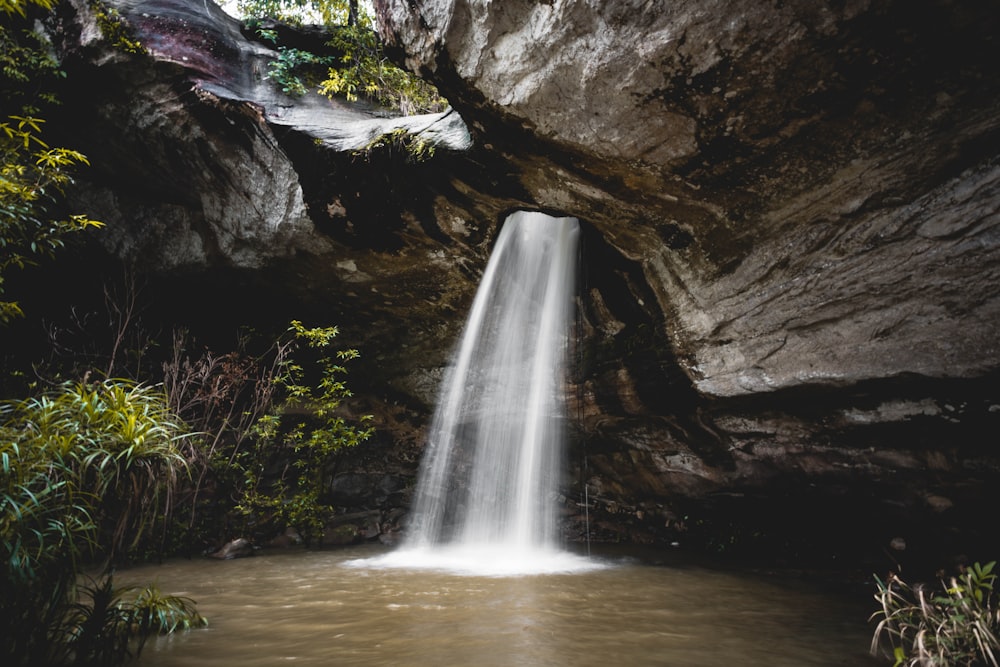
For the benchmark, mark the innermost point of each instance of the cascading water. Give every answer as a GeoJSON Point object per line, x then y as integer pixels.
{"type": "Point", "coordinates": [495, 444]}
{"type": "Point", "coordinates": [485, 501]}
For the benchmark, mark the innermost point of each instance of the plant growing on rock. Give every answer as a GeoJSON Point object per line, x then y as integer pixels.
{"type": "Point", "coordinates": [414, 147]}
{"type": "Point", "coordinates": [958, 624]}
{"type": "Point", "coordinates": [295, 70]}
{"type": "Point", "coordinates": [356, 67]}
{"type": "Point", "coordinates": [364, 70]}
{"type": "Point", "coordinates": [115, 28]}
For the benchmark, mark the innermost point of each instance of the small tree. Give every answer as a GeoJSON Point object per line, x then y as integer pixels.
{"type": "Point", "coordinates": [32, 173]}
{"type": "Point", "coordinates": [298, 437]}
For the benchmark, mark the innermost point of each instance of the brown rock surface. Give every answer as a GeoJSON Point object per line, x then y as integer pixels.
{"type": "Point", "coordinates": [792, 239]}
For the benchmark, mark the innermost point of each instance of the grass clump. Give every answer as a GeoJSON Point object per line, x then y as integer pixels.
{"type": "Point", "coordinates": [86, 471]}
{"type": "Point", "coordinates": [956, 624]}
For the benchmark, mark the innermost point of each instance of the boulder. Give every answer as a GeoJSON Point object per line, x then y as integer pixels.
{"type": "Point", "coordinates": [238, 548]}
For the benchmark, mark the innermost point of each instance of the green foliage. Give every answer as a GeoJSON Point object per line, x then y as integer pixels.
{"type": "Point", "coordinates": [27, 69]}
{"type": "Point", "coordinates": [360, 70]}
{"type": "Point", "coordinates": [152, 612]}
{"type": "Point", "coordinates": [85, 470]}
{"type": "Point", "coordinates": [32, 173]}
{"type": "Point", "coordinates": [272, 416]}
{"type": "Point", "coordinates": [115, 28]}
{"type": "Point", "coordinates": [365, 71]}
{"type": "Point", "coordinates": [20, 7]}
{"type": "Point", "coordinates": [410, 144]}
{"type": "Point", "coordinates": [108, 625]}
{"type": "Point", "coordinates": [113, 445]}
{"type": "Point", "coordinates": [303, 430]}
{"type": "Point", "coordinates": [296, 70]}
{"type": "Point", "coordinates": [958, 624]}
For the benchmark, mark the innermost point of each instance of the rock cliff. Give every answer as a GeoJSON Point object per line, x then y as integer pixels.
{"type": "Point", "coordinates": [792, 241]}
{"type": "Point", "coordinates": [802, 201]}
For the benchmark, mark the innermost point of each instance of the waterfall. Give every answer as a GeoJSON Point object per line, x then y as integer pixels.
{"type": "Point", "coordinates": [486, 495]}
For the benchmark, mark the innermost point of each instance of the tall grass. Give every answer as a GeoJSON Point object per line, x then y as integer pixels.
{"type": "Point", "coordinates": [86, 472]}
{"type": "Point", "coordinates": [956, 625]}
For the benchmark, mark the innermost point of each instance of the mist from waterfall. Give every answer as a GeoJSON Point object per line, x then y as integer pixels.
{"type": "Point", "coordinates": [486, 500]}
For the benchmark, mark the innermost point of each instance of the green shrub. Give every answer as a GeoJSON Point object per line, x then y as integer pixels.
{"type": "Point", "coordinates": [273, 416]}
{"type": "Point", "coordinates": [32, 173]}
{"type": "Point", "coordinates": [86, 471]}
{"type": "Point", "coordinates": [109, 625]}
{"type": "Point", "coordinates": [958, 624]}
{"type": "Point", "coordinates": [365, 71]}
{"type": "Point", "coordinates": [359, 70]}
{"type": "Point", "coordinates": [303, 429]}
{"type": "Point", "coordinates": [296, 70]}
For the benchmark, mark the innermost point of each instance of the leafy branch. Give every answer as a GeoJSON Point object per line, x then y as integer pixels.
{"type": "Point", "coordinates": [305, 428]}
{"type": "Point", "coordinates": [356, 66]}
{"type": "Point", "coordinates": [32, 173]}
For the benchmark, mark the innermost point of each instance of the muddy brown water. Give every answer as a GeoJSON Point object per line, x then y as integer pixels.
{"type": "Point", "coordinates": [308, 608]}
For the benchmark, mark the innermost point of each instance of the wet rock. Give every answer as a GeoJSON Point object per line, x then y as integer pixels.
{"type": "Point", "coordinates": [351, 528]}
{"type": "Point", "coordinates": [390, 538]}
{"type": "Point", "coordinates": [341, 535]}
{"type": "Point", "coordinates": [289, 538]}
{"type": "Point", "coordinates": [238, 548]}
{"type": "Point", "coordinates": [775, 140]}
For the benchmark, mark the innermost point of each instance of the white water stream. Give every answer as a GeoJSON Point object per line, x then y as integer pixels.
{"type": "Point", "coordinates": [485, 501]}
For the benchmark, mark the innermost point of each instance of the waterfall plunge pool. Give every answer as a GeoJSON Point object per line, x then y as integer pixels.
{"type": "Point", "coordinates": [326, 608]}
{"type": "Point", "coordinates": [481, 582]}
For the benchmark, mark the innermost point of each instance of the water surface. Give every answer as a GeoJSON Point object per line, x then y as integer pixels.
{"type": "Point", "coordinates": [308, 608]}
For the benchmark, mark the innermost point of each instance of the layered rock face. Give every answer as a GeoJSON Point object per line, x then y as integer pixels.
{"type": "Point", "coordinates": [827, 168]}
{"type": "Point", "coordinates": [806, 198]}
{"type": "Point", "coordinates": [792, 245]}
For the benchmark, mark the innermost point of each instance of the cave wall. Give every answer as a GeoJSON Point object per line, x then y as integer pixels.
{"type": "Point", "coordinates": [806, 194]}
{"type": "Point", "coordinates": [823, 162]}
{"type": "Point", "coordinates": [788, 305]}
